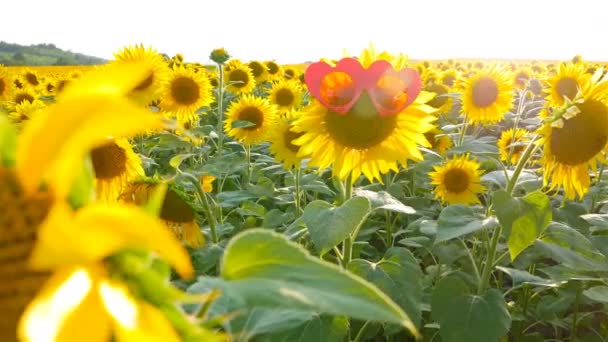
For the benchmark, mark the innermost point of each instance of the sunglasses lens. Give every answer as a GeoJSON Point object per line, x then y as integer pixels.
{"type": "Point", "coordinates": [391, 93]}
{"type": "Point", "coordinates": [337, 89]}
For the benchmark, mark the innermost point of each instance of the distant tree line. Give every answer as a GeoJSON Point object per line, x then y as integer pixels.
{"type": "Point", "coordinates": [42, 54]}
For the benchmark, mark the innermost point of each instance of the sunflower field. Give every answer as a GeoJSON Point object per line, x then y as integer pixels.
{"type": "Point", "coordinates": [371, 198]}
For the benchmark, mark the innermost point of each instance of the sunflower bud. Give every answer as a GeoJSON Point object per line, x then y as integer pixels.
{"type": "Point", "coordinates": [219, 56]}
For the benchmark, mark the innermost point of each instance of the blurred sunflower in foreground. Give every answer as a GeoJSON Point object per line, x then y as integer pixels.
{"type": "Point", "coordinates": [362, 140]}
{"type": "Point", "coordinates": [575, 139]}
{"type": "Point", "coordinates": [63, 257]}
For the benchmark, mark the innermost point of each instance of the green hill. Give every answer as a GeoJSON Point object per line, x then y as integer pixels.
{"type": "Point", "coordinates": [42, 54]}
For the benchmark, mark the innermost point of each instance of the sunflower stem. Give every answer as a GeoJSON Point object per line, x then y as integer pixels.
{"type": "Point", "coordinates": [573, 333]}
{"type": "Point", "coordinates": [298, 198]}
{"type": "Point", "coordinates": [598, 180]}
{"type": "Point", "coordinates": [347, 246]}
{"type": "Point", "coordinates": [202, 195]}
{"type": "Point", "coordinates": [360, 335]}
{"type": "Point", "coordinates": [463, 130]}
{"type": "Point", "coordinates": [220, 110]}
{"type": "Point", "coordinates": [520, 165]}
{"type": "Point", "coordinates": [248, 157]}
{"type": "Point", "coordinates": [489, 265]}
{"type": "Point", "coordinates": [487, 268]}
{"type": "Point", "coordinates": [518, 114]}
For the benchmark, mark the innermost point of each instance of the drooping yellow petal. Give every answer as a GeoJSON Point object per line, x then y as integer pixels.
{"type": "Point", "coordinates": [110, 79]}
{"type": "Point", "coordinates": [66, 310]}
{"type": "Point", "coordinates": [54, 142]}
{"type": "Point", "coordinates": [98, 230]}
{"type": "Point", "coordinates": [135, 320]}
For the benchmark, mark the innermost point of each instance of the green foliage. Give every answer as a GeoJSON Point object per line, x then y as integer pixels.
{"type": "Point", "coordinates": [464, 316]}
{"type": "Point", "coordinates": [523, 219]}
{"type": "Point", "coordinates": [329, 225]}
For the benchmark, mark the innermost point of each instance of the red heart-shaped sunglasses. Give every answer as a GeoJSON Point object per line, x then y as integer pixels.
{"type": "Point", "coordinates": [338, 88]}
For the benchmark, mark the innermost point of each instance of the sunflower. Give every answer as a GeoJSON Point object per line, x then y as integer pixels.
{"type": "Point", "coordinates": [512, 144]}
{"type": "Point", "coordinates": [37, 234]}
{"type": "Point", "coordinates": [239, 78]}
{"type": "Point", "coordinates": [441, 101]}
{"type": "Point", "coordinates": [48, 87]}
{"type": "Point", "coordinates": [487, 95]}
{"type": "Point", "coordinates": [213, 79]}
{"type": "Point", "coordinates": [30, 78]}
{"type": "Point", "coordinates": [361, 141]}
{"type": "Point", "coordinates": [176, 212]}
{"type": "Point", "coordinates": [260, 114]}
{"type": "Point", "coordinates": [273, 69]}
{"type": "Point", "coordinates": [449, 78]}
{"type": "Point", "coordinates": [439, 141]}
{"type": "Point", "coordinates": [116, 166]}
{"type": "Point", "coordinates": [258, 70]}
{"type": "Point", "coordinates": [281, 142]}
{"type": "Point", "coordinates": [565, 83]}
{"type": "Point", "coordinates": [457, 181]}
{"type": "Point", "coordinates": [60, 85]}
{"type": "Point", "coordinates": [75, 74]}
{"type": "Point", "coordinates": [186, 92]}
{"type": "Point", "coordinates": [286, 95]}
{"type": "Point", "coordinates": [521, 76]}
{"type": "Point", "coordinates": [25, 94]}
{"type": "Point", "coordinates": [25, 110]}
{"type": "Point", "coordinates": [149, 89]}
{"type": "Point", "coordinates": [290, 73]}
{"type": "Point", "coordinates": [6, 83]}
{"type": "Point", "coordinates": [575, 139]}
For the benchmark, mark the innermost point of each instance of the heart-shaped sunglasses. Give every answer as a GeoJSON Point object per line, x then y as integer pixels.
{"type": "Point", "coordinates": [338, 88]}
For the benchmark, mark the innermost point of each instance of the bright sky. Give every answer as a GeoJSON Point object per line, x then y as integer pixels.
{"type": "Point", "coordinates": [300, 30]}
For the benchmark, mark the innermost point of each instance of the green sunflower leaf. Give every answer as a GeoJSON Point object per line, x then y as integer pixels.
{"type": "Point", "coordinates": [264, 269]}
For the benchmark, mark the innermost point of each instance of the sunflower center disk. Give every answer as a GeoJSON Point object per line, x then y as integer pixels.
{"type": "Point", "coordinates": [438, 101]}
{"type": "Point", "coordinates": [361, 127]}
{"type": "Point", "coordinates": [109, 161]}
{"type": "Point", "coordinates": [31, 79]}
{"type": "Point", "coordinates": [2, 86]}
{"type": "Point", "coordinates": [185, 91]}
{"type": "Point", "coordinates": [272, 68]}
{"type": "Point", "coordinates": [239, 78]}
{"type": "Point", "coordinates": [456, 180]}
{"type": "Point", "coordinates": [256, 69]}
{"type": "Point", "coordinates": [285, 97]}
{"type": "Point", "coordinates": [19, 220]}
{"type": "Point", "coordinates": [175, 209]}
{"type": "Point", "coordinates": [290, 136]}
{"type": "Point", "coordinates": [23, 97]}
{"type": "Point", "coordinates": [253, 115]}
{"type": "Point", "coordinates": [485, 92]}
{"type": "Point", "coordinates": [449, 80]}
{"type": "Point", "coordinates": [567, 87]}
{"type": "Point", "coordinates": [583, 136]}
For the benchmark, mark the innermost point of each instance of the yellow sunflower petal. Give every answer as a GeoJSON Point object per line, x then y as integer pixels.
{"type": "Point", "coordinates": [98, 231]}
{"type": "Point", "coordinates": [134, 320]}
{"type": "Point", "coordinates": [66, 309]}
